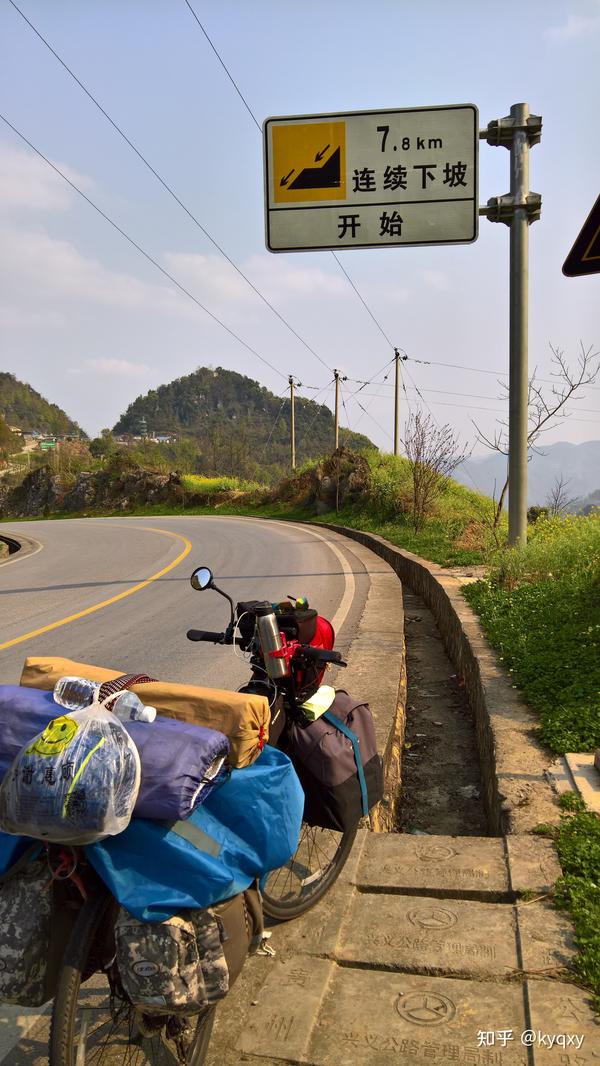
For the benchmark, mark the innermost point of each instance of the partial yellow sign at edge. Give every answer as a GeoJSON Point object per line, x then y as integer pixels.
{"type": "Point", "coordinates": [308, 162]}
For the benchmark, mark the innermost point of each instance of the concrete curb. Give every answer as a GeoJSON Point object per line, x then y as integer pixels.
{"type": "Point", "coordinates": [18, 547]}
{"type": "Point", "coordinates": [517, 792]}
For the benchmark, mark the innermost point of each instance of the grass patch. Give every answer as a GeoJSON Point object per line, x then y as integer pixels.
{"type": "Point", "coordinates": [211, 486]}
{"type": "Point", "coordinates": [540, 608]}
{"type": "Point", "coordinates": [577, 842]}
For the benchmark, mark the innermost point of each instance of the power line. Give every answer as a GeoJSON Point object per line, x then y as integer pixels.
{"type": "Point", "coordinates": [344, 406]}
{"type": "Point", "coordinates": [480, 370]}
{"type": "Point", "coordinates": [363, 302]}
{"type": "Point", "coordinates": [365, 409]}
{"type": "Point", "coordinates": [236, 87]}
{"type": "Point", "coordinates": [141, 250]}
{"type": "Point", "coordinates": [316, 415]}
{"type": "Point", "coordinates": [256, 123]}
{"type": "Point", "coordinates": [166, 185]}
{"type": "Point", "coordinates": [472, 396]}
{"type": "Point", "coordinates": [277, 417]}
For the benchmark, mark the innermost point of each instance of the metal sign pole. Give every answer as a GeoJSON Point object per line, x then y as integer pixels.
{"type": "Point", "coordinates": [397, 402]}
{"type": "Point", "coordinates": [518, 132]}
{"type": "Point", "coordinates": [518, 388]}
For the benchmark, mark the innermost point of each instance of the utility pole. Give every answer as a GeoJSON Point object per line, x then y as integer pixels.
{"type": "Point", "coordinates": [292, 423]}
{"type": "Point", "coordinates": [336, 375]}
{"type": "Point", "coordinates": [518, 132]}
{"type": "Point", "coordinates": [398, 357]}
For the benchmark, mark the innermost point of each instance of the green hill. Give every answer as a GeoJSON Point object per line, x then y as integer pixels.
{"type": "Point", "coordinates": [22, 406]}
{"type": "Point", "coordinates": [238, 426]}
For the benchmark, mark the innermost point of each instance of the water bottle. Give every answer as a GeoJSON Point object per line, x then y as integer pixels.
{"type": "Point", "coordinates": [128, 707]}
{"type": "Point", "coordinates": [270, 640]}
{"type": "Point", "coordinates": [75, 693]}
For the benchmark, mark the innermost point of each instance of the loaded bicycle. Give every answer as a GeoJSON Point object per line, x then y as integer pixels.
{"type": "Point", "coordinates": [95, 1021]}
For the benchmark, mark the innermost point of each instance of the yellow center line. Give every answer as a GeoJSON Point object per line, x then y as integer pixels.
{"type": "Point", "coordinates": [113, 599]}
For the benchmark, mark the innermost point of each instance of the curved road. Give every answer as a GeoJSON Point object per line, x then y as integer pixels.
{"type": "Point", "coordinates": [116, 591]}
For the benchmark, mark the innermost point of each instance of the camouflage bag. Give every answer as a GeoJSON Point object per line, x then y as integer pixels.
{"type": "Point", "coordinates": [173, 967]}
{"type": "Point", "coordinates": [26, 923]}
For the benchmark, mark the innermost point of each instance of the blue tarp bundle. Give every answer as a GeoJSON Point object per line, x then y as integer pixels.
{"type": "Point", "coordinates": [175, 756]}
{"type": "Point", "coordinates": [248, 825]}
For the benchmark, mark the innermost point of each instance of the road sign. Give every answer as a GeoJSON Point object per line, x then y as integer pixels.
{"type": "Point", "coordinates": [584, 257]}
{"type": "Point", "coordinates": [372, 178]}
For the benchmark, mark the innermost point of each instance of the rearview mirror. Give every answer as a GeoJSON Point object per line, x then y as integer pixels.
{"type": "Point", "coordinates": [201, 578]}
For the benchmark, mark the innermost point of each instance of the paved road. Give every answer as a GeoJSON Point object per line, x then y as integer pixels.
{"type": "Point", "coordinates": [82, 563]}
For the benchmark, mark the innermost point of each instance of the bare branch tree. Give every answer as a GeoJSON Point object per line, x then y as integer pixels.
{"type": "Point", "coordinates": [558, 501]}
{"type": "Point", "coordinates": [433, 453]}
{"type": "Point", "coordinates": [546, 405]}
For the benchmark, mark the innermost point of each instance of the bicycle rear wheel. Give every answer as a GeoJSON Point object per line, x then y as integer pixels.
{"type": "Point", "coordinates": [93, 1026]}
{"type": "Point", "coordinates": [303, 881]}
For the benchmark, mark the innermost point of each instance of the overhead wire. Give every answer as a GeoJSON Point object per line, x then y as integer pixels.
{"type": "Point", "coordinates": [344, 405]}
{"type": "Point", "coordinates": [326, 388]}
{"type": "Point", "coordinates": [339, 263]}
{"type": "Point", "coordinates": [255, 120]}
{"type": "Point", "coordinates": [344, 271]}
{"type": "Point", "coordinates": [277, 417]}
{"type": "Point", "coordinates": [163, 181]}
{"type": "Point", "coordinates": [236, 87]}
{"type": "Point", "coordinates": [141, 250]}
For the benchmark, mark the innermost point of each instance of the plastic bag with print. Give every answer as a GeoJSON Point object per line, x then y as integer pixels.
{"type": "Point", "coordinates": [74, 783]}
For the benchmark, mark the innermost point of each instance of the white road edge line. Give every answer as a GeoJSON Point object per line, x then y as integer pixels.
{"type": "Point", "coordinates": [343, 610]}
{"type": "Point", "coordinates": [19, 557]}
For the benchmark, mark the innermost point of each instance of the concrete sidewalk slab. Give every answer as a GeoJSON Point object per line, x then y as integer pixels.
{"type": "Point", "coordinates": [376, 1019]}
{"type": "Point", "coordinates": [557, 1009]}
{"type": "Point", "coordinates": [286, 1009]}
{"type": "Point", "coordinates": [430, 936]}
{"type": "Point", "coordinates": [547, 939]}
{"type": "Point", "coordinates": [453, 867]}
{"type": "Point", "coordinates": [533, 864]}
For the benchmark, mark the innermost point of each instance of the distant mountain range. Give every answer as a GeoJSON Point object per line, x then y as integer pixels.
{"type": "Point", "coordinates": [23, 407]}
{"type": "Point", "coordinates": [577, 464]}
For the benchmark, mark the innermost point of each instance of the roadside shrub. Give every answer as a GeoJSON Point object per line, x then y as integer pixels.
{"type": "Point", "coordinates": [558, 548]}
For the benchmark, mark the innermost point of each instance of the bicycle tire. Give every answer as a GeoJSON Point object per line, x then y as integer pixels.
{"type": "Point", "coordinates": [138, 1050]}
{"type": "Point", "coordinates": [295, 887]}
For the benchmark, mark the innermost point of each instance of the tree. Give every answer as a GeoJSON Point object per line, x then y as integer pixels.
{"type": "Point", "coordinates": [104, 445]}
{"type": "Point", "coordinates": [558, 502]}
{"type": "Point", "coordinates": [433, 453]}
{"type": "Point", "coordinates": [545, 406]}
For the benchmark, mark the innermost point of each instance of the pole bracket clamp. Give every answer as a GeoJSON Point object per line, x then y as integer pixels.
{"type": "Point", "coordinates": [503, 208]}
{"type": "Point", "coordinates": [500, 131]}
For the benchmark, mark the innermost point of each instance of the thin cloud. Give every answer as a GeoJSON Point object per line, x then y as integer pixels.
{"type": "Point", "coordinates": [576, 26]}
{"type": "Point", "coordinates": [27, 183]}
{"type": "Point", "coordinates": [123, 368]}
{"type": "Point", "coordinates": [52, 268]}
{"type": "Point", "coordinates": [24, 318]}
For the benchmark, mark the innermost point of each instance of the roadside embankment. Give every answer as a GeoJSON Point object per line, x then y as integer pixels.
{"type": "Point", "coordinates": [516, 791]}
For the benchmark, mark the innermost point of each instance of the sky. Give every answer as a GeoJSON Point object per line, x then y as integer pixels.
{"type": "Point", "coordinates": [91, 323]}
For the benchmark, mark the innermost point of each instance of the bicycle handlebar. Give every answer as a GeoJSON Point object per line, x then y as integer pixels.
{"type": "Point", "coordinates": [322, 655]}
{"type": "Point", "coordinates": [210, 637]}
{"type": "Point", "coordinates": [206, 634]}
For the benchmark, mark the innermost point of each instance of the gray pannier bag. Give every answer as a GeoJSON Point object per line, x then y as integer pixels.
{"type": "Point", "coordinates": [25, 924]}
{"type": "Point", "coordinates": [189, 961]}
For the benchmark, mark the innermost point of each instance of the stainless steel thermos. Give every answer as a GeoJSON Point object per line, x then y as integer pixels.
{"type": "Point", "coordinates": [270, 640]}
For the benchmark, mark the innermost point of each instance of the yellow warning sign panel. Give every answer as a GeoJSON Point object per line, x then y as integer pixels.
{"type": "Point", "coordinates": [309, 162]}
